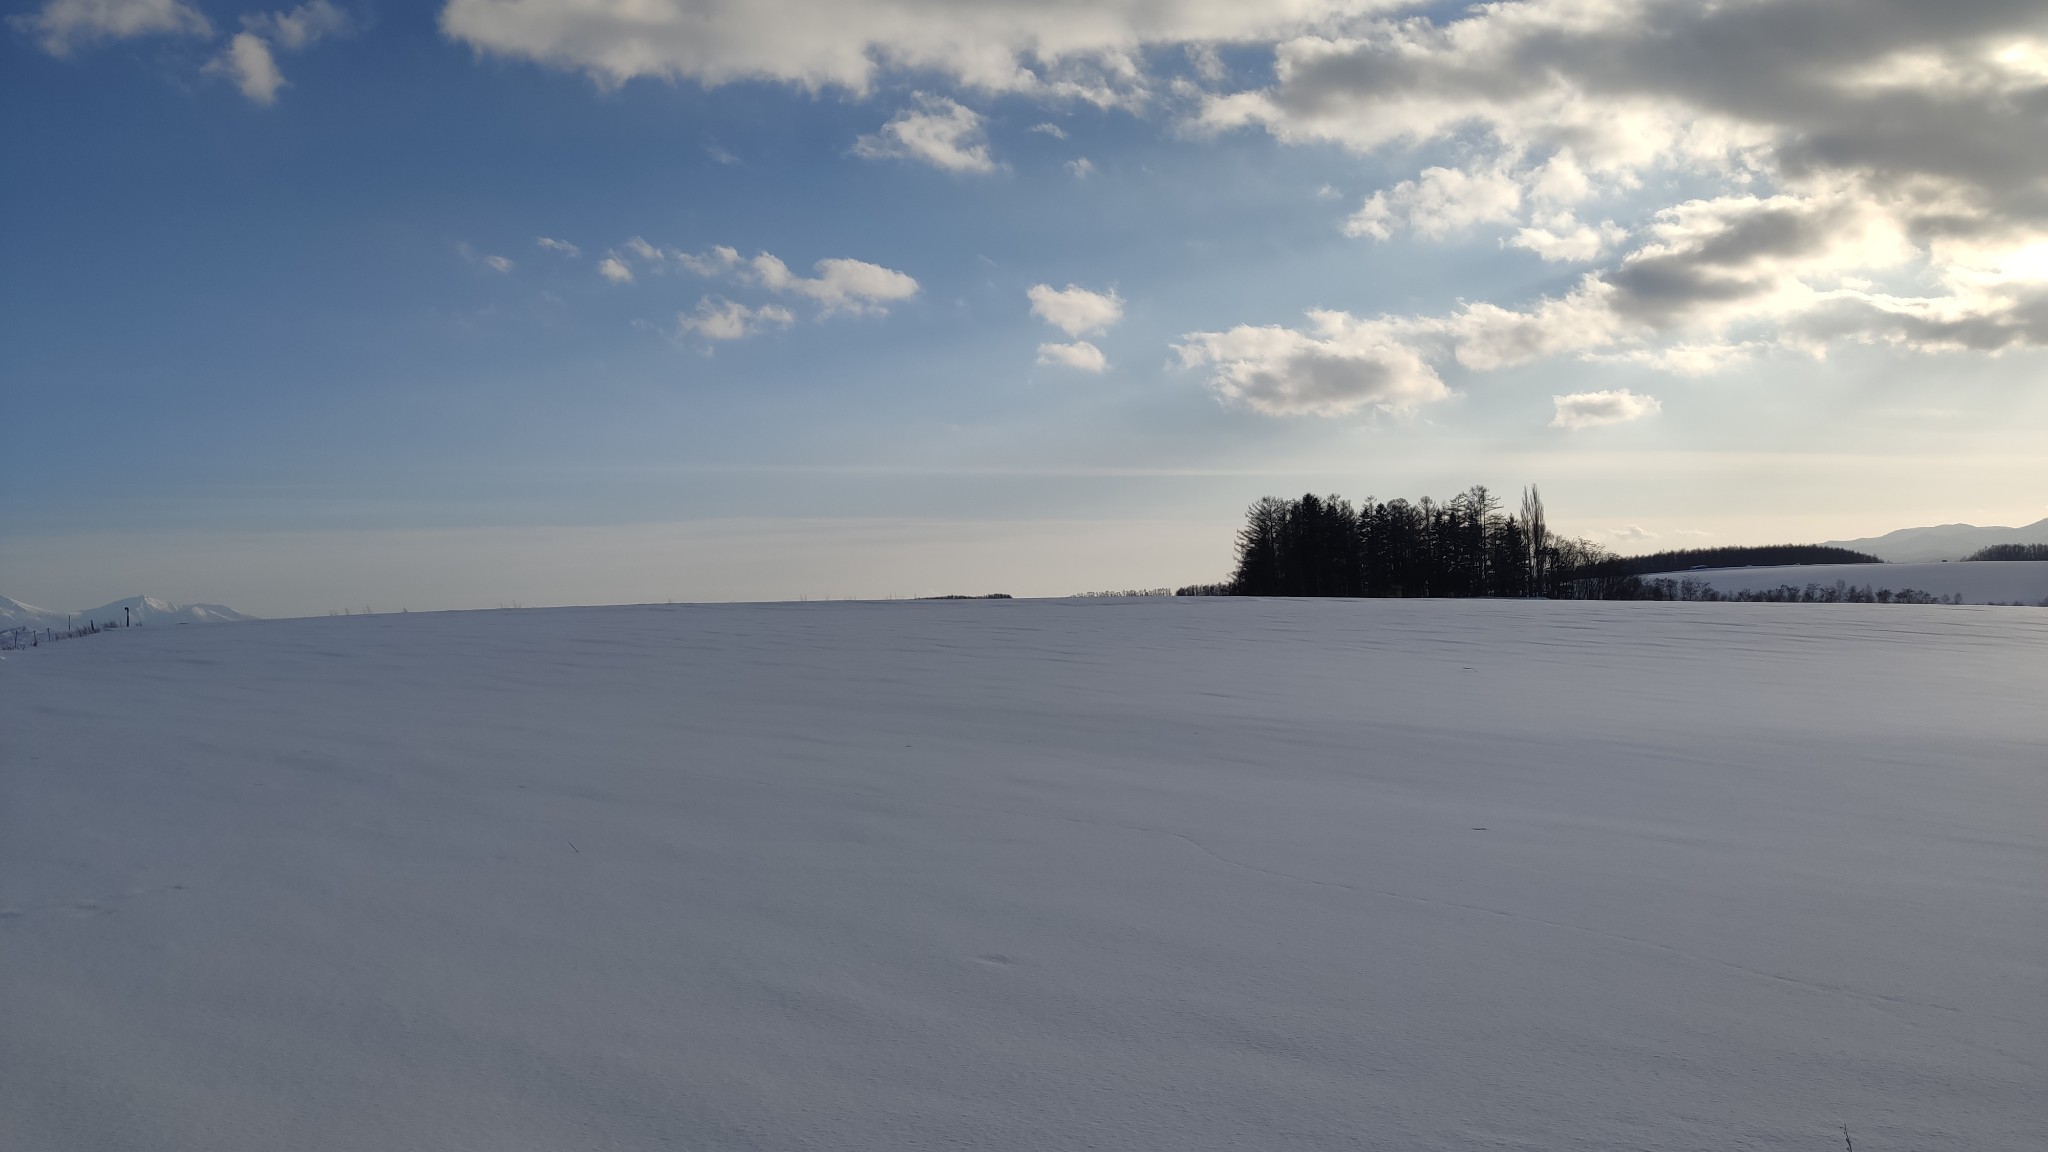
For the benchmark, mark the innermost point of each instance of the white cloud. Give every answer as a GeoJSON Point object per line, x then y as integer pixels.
{"type": "Point", "coordinates": [940, 132]}
{"type": "Point", "coordinates": [1592, 409]}
{"type": "Point", "coordinates": [1074, 309]}
{"type": "Point", "coordinates": [1081, 168]}
{"type": "Point", "coordinates": [498, 264]}
{"type": "Point", "coordinates": [721, 319]}
{"type": "Point", "coordinates": [1631, 534]}
{"type": "Point", "coordinates": [562, 247]}
{"type": "Point", "coordinates": [302, 27]}
{"type": "Point", "coordinates": [1065, 50]}
{"type": "Point", "coordinates": [1340, 366]}
{"type": "Point", "coordinates": [1051, 129]}
{"type": "Point", "coordinates": [63, 26]}
{"type": "Point", "coordinates": [1207, 63]}
{"type": "Point", "coordinates": [248, 62]}
{"type": "Point", "coordinates": [840, 285]}
{"type": "Point", "coordinates": [1439, 202]}
{"type": "Point", "coordinates": [1079, 355]}
{"type": "Point", "coordinates": [720, 259]}
{"type": "Point", "coordinates": [1560, 236]}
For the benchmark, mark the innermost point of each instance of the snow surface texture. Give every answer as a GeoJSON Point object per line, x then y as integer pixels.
{"type": "Point", "coordinates": [1162, 874]}
{"type": "Point", "coordinates": [1942, 541]}
{"type": "Point", "coordinates": [1980, 582]}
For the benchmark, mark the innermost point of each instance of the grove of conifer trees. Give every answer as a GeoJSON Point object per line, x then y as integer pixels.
{"type": "Point", "coordinates": [1464, 546]}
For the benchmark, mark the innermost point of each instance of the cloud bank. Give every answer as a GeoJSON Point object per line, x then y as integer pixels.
{"type": "Point", "coordinates": [1872, 171]}
{"type": "Point", "coordinates": [1089, 50]}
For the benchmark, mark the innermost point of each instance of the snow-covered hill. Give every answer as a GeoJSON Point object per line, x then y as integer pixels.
{"type": "Point", "coordinates": [1942, 541]}
{"type": "Point", "coordinates": [150, 610]}
{"type": "Point", "coordinates": [15, 614]}
{"type": "Point", "coordinates": [140, 610]}
{"type": "Point", "coordinates": [1979, 582]}
{"type": "Point", "coordinates": [1155, 875]}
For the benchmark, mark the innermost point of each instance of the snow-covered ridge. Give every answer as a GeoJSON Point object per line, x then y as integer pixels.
{"type": "Point", "coordinates": [15, 614]}
{"type": "Point", "coordinates": [133, 610]}
{"type": "Point", "coordinates": [1979, 582]}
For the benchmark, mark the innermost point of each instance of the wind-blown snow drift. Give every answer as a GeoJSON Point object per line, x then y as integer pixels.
{"type": "Point", "coordinates": [1142, 874]}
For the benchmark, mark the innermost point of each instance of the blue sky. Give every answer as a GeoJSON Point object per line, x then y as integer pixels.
{"type": "Point", "coordinates": [281, 330]}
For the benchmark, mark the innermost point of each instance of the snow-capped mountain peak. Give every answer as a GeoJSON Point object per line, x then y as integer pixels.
{"type": "Point", "coordinates": [151, 610]}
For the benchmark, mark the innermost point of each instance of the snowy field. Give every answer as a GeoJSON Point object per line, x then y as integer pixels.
{"type": "Point", "coordinates": [1979, 582]}
{"type": "Point", "coordinates": [1152, 875]}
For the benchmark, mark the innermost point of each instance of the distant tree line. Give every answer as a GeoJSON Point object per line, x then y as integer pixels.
{"type": "Point", "coordinates": [1466, 546]}
{"type": "Point", "coordinates": [1773, 555]}
{"type": "Point", "coordinates": [1840, 592]}
{"type": "Point", "coordinates": [2011, 552]}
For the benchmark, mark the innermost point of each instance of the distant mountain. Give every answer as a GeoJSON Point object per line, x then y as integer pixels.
{"type": "Point", "coordinates": [150, 610]}
{"type": "Point", "coordinates": [15, 614]}
{"type": "Point", "coordinates": [1942, 541]}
